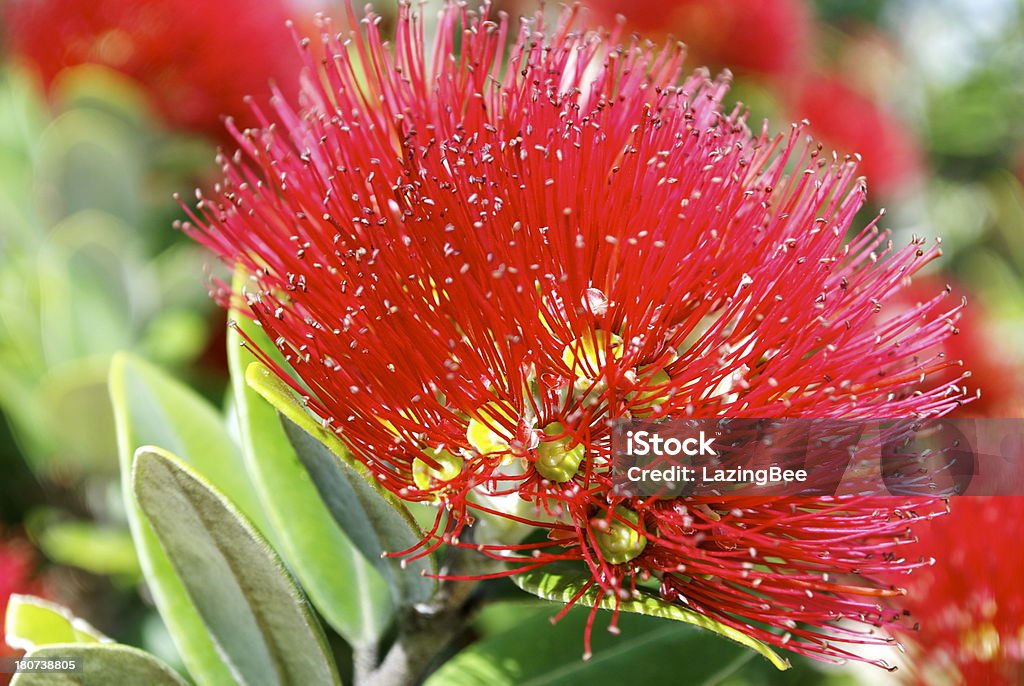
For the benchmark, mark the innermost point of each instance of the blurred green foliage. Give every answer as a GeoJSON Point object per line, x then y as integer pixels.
{"type": "Point", "coordinates": [89, 267]}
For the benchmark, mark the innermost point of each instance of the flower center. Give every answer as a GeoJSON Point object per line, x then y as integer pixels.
{"type": "Point", "coordinates": [587, 356]}
{"type": "Point", "coordinates": [427, 477]}
{"type": "Point", "coordinates": [481, 432]}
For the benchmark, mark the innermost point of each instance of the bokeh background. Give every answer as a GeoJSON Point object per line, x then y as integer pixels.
{"type": "Point", "coordinates": [110, 107]}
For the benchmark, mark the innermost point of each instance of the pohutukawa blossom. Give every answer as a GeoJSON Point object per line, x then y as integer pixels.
{"type": "Point", "coordinates": [969, 604]}
{"type": "Point", "coordinates": [197, 61]}
{"type": "Point", "coordinates": [476, 262]}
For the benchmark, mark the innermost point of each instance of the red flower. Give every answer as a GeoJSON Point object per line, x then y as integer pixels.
{"type": "Point", "coordinates": [769, 37]}
{"type": "Point", "coordinates": [17, 563]}
{"type": "Point", "coordinates": [475, 266]}
{"type": "Point", "coordinates": [852, 122]}
{"type": "Point", "coordinates": [969, 605]}
{"type": "Point", "coordinates": [996, 379]}
{"type": "Point", "coordinates": [196, 60]}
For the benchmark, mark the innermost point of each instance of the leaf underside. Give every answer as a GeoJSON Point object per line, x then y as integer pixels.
{"type": "Point", "coordinates": [249, 604]}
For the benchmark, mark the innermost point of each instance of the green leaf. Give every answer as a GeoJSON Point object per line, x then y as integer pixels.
{"type": "Point", "coordinates": [94, 86]}
{"type": "Point", "coordinates": [98, 549]}
{"type": "Point", "coordinates": [78, 418]}
{"type": "Point", "coordinates": [93, 161]}
{"type": "Point", "coordinates": [564, 587]}
{"type": "Point", "coordinates": [249, 603]}
{"type": "Point", "coordinates": [33, 622]}
{"type": "Point", "coordinates": [92, 286]}
{"type": "Point", "coordinates": [533, 652]}
{"type": "Point", "coordinates": [153, 408]}
{"type": "Point", "coordinates": [176, 336]}
{"type": "Point", "coordinates": [101, 665]}
{"type": "Point", "coordinates": [372, 517]}
{"type": "Point", "coordinates": [347, 590]}
{"type": "Point", "coordinates": [150, 408]}
{"type": "Point", "coordinates": [498, 616]}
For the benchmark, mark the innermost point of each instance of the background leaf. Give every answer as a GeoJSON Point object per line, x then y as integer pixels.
{"type": "Point", "coordinates": [249, 603]}
{"type": "Point", "coordinates": [102, 665]}
{"type": "Point", "coordinates": [93, 161]}
{"type": "Point", "coordinates": [533, 652]}
{"type": "Point", "coordinates": [103, 550]}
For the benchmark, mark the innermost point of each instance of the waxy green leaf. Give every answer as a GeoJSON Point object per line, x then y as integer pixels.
{"type": "Point", "coordinates": [564, 587]}
{"type": "Point", "coordinates": [151, 408]}
{"type": "Point", "coordinates": [372, 517]}
{"type": "Point", "coordinates": [33, 622]}
{"type": "Point", "coordinates": [347, 589]}
{"type": "Point", "coordinates": [102, 664]}
{"type": "Point", "coordinates": [248, 602]}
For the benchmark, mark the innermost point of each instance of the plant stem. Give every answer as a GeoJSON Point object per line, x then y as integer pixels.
{"type": "Point", "coordinates": [364, 662]}
{"type": "Point", "coordinates": [425, 630]}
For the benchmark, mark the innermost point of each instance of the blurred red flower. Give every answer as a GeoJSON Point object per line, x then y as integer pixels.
{"type": "Point", "coordinates": [196, 60]}
{"type": "Point", "coordinates": [852, 122]}
{"type": "Point", "coordinates": [969, 605]}
{"type": "Point", "coordinates": [479, 264]}
{"type": "Point", "coordinates": [994, 377]}
{"type": "Point", "coordinates": [770, 37]}
{"type": "Point", "coordinates": [17, 565]}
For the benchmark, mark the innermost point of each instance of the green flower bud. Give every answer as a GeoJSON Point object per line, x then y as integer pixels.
{"type": "Point", "coordinates": [655, 391]}
{"type": "Point", "coordinates": [618, 542]}
{"type": "Point", "coordinates": [558, 460]}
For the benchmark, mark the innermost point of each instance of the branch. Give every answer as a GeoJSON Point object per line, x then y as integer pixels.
{"type": "Point", "coordinates": [426, 630]}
